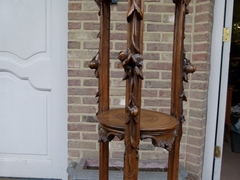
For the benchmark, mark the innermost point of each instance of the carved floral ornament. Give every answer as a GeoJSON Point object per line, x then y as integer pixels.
{"type": "Point", "coordinates": [131, 60]}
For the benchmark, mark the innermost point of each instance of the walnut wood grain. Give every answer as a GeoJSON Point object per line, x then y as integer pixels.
{"type": "Point", "coordinates": [133, 123]}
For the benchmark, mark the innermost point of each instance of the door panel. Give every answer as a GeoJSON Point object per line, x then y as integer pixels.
{"type": "Point", "coordinates": [33, 77]}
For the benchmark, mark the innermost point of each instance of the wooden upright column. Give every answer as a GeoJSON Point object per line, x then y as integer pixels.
{"type": "Point", "coordinates": [180, 70]}
{"type": "Point", "coordinates": [104, 63]}
{"type": "Point", "coordinates": [132, 60]}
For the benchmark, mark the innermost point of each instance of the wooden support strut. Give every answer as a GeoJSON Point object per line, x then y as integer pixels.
{"type": "Point", "coordinates": [179, 74]}
{"type": "Point", "coordinates": [104, 65]}
{"type": "Point", "coordinates": [131, 60]}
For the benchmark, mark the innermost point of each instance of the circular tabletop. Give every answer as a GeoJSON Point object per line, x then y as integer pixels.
{"type": "Point", "coordinates": [149, 120]}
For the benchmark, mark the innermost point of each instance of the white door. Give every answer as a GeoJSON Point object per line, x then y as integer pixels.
{"type": "Point", "coordinates": [217, 93]}
{"type": "Point", "coordinates": [33, 89]}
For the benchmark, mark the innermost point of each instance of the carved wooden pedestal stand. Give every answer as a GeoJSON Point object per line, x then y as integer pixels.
{"type": "Point", "coordinates": [132, 123]}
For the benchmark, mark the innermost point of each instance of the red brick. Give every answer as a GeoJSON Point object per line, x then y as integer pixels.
{"type": "Point", "coordinates": [151, 75]}
{"type": "Point", "coordinates": [195, 141]}
{"type": "Point", "coordinates": [73, 45]}
{"type": "Point", "coordinates": [152, 17]}
{"type": "Point", "coordinates": [74, 82]}
{"type": "Point", "coordinates": [159, 47]}
{"type": "Point", "coordinates": [151, 56]}
{"type": "Point", "coordinates": [74, 6]}
{"type": "Point", "coordinates": [90, 82]}
{"type": "Point", "coordinates": [198, 95]}
{"type": "Point", "coordinates": [201, 57]}
{"type": "Point", "coordinates": [91, 26]}
{"type": "Point", "coordinates": [89, 100]}
{"type": "Point", "coordinates": [199, 85]}
{"type": "Point", "coordinates": [159, 65]}
{"type": "Point", "coordinates": [166, 75]}
{"type": "Point", "coordinates": [74, 64]}
{"type": "Point", "coordinates": [203, 18]}
{"type": "Point", "coordinates": [164, 93]}
{"type": "Point", "coordinates": [118, 36]}
{"type": "Point", "coordinates": [82, 91]}
{"type": "Point", "coordinates": [81, 109]}
{"type": "Point", "coordinates": [201, 47]}
{"type": "Point", "coordinates": [73, 118]}
{"type": "Point", "coordinates": [90, 45]}
{"type": "Point", "coordinates": [73, 135]}
{"type": "Point", "coordinates": [157, 84]}
{"type": "Point", "coordinates": [121, 26]}
{"type": "Point", "coordinates": [74, 25]}
{"type": "Point", "coordinates": [204, 7]}
{"type": "Point", "coordinates": [160, 8]}
{"type": "Point", "coordinates": [203, 27]}
{"type": "Point", "coordinates": [74, 100]}
{"type": "Point", "coordinates": [81, 127]}
{"type": "Point", "coordinates": [82, 16]}
{"type": "Point", "coordinates": [162, 27]}
{"type": "Point", "coordinates": [73, 153]}
{"type": "Point", "coordinates": [81, 73]}
{"type": "Point", "coordinates": [197, 113]}
{"type": "Point", "coordinates": [156, 102]}
{"type": "Point", "coordinates": [90, 136]}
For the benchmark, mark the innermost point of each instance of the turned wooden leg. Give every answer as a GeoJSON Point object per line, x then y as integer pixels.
{"type": "Point", "coordinates": [103, 164]}
{"type": "Point", "coordinates": [173, 161]}
{"type": "Point", "coordinates": [173, 158]}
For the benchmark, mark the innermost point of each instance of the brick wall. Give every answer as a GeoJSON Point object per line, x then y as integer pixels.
{"type": "Point", "coordinates": [158, 37]}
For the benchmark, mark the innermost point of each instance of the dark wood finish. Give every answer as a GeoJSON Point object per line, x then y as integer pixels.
{"type": "Point", "coordinates": [228, 124]}
{"type": "Point", "coordinates": [133, 123]}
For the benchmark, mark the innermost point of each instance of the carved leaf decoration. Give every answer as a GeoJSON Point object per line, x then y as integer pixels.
{"type": "Point", "coordinates": [134, 143]}
{"type": "Point", "coordinates": [134, 112]}
{"type": "Point", "coordinates": [186, 11]}
{"type": "Point", "coordinates": [128, 120]}
{"type": "Point", "coordinates": [97, 95]}
{"type": "Point", "coordinates": [96, 73]}
{"type": "Point", "coordinates": [125, 76]}
{"type": "Point", "coordinates": [141, 74]}
{"type": "Point", "coordinates": [185, 77]}
{"type": "Point", "coordinates": [138, 59]}
{"type": "Point", "coordinates": [120, 65]}
{"type": "Point", "coordinates": [133, 8]}
{"type": "Point", "coordinates": [138, 72]}
{"type": "Point", "coordinates": [97, 2]}
{"type": "Point", "coordinates": [187, 2]}
{"type": "Point", "coordinates": [98, 35]}
{"type": "Point", "coordinates": [183, 96]}
{"type": "Point", "coordinates": [182, 118]}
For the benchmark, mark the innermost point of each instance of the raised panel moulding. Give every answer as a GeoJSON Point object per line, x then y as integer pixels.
{"type": "Point", "coordinates": [23, 27]}
{"type": "Point", "coordinates": [24, 117]}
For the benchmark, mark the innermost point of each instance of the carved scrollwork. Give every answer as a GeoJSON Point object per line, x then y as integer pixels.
{"type": "Point", "coordinates": [163, 140]}
{"type": "Point", "coordinates": [108, 135]}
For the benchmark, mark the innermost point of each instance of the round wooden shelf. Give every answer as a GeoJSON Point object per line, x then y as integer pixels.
{"type": "Point", "coordinates": [150, 121]}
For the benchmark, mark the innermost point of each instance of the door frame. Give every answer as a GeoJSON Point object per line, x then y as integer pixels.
{"type": "Point", "coordinates": [217, 91]}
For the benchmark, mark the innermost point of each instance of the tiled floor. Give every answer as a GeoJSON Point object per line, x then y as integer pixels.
{"type": "Point", "coordinates": [230, 164]}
